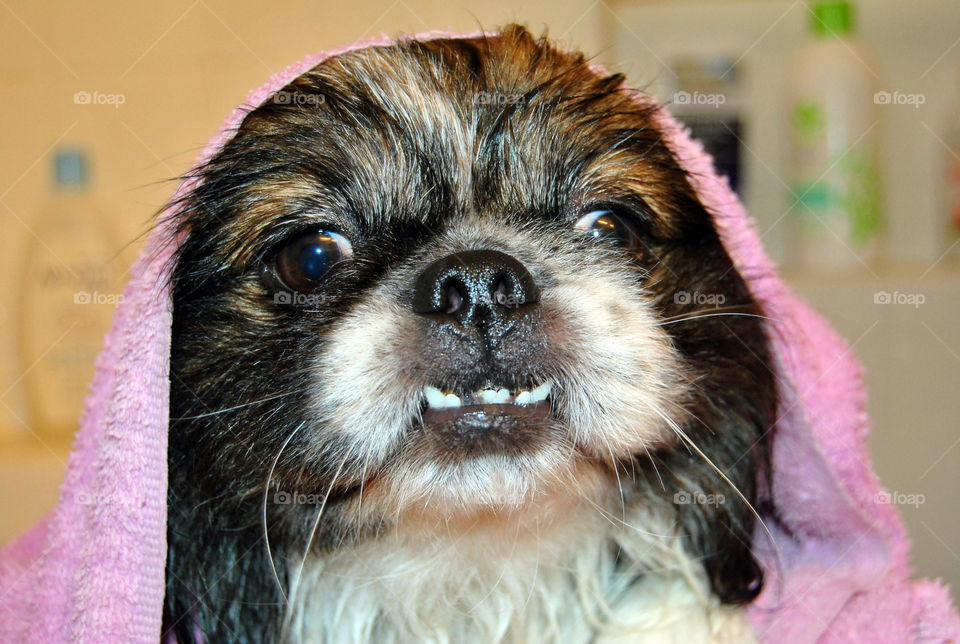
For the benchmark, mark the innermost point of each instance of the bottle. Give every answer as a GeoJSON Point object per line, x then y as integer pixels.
{"type": "Point", "coordinates": [68, 292]}
{"type": "Point", "coordinates": [836, 200]}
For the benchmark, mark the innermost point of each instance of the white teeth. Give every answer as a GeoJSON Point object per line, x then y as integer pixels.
{"type": "Point", "coordinates": [541, 392]}
{"type": "Point", "coordinates": [436, 399]}
{"type": "Point", "coordinates": [451, 400]}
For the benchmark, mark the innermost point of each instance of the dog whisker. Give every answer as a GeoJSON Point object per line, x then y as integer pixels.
{"type": "Point", "coordinates": [295, 582]}
{"type": "Point", "coordinates": [686, 439]}
{"type": "Point", "coordinates": [703, 314]}
{"type": "Point", "coordinates": [266, 496]}
{"type": "Point", "coordinates": [228, 410]}
{"type": "Point", "coordinates": [653, 462]}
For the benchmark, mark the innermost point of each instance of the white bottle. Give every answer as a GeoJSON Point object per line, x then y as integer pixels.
{"type": "Point", "coordinates": [835, 196]}
{"type": "Point", "coordinates": [69, 288]}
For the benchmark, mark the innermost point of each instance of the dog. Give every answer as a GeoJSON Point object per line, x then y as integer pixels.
{"type": "Point", "coordinates": [442, 370]}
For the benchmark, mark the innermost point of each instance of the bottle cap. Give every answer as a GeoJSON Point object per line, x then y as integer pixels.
{"type": "Point", "coordinates": [832, 18]}
{"type": "Point", "coordinates": [70, 168]}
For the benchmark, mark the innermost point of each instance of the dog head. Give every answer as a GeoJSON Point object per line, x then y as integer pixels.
{"type": "Point", "coordinates": [462, 278]}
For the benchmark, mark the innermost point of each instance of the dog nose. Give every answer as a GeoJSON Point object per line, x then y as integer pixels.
{"type": "Point", "coordinates": [482, 288]}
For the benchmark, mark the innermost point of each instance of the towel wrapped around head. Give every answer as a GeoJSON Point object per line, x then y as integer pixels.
{"type": "Point", "coordinates": [837, 569]}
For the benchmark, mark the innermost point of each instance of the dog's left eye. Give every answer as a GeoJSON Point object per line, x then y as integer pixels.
{"type": "Point", "coordinates": [607, 224]}
{"type": "Point", "coordinates": [302, 263]}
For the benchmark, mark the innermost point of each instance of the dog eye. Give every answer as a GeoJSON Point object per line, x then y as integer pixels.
{"type": "Point", "coordinates": [302, 263]}
{"type": "Point", "coordinates": [613, 227]}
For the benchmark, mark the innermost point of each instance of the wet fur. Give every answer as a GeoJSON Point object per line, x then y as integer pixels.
{"type": "Point", "coordinates": [418, 150]}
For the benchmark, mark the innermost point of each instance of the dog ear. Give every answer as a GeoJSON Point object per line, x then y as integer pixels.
{"type": "Point", "coordinates": [734, 574]}
{"type": "Point", "coordinates": [716, 501]}
{"type": "Point", "coordinates": [715, 521]}
{"type": "Point", "coordinates": [720, 462]}
{"type": "Point", "coordinates": [726, 551]}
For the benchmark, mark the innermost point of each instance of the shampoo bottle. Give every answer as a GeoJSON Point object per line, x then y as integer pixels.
{"type": "Point", "coordinates": [68, 292]}
{"type": "Point", "coordinates": [835, 197]}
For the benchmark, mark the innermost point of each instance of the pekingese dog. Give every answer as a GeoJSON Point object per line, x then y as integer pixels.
{"type": "Point", "coordinates": [442, 369]}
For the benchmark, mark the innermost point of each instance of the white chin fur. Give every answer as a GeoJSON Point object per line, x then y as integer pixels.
{"type": "Point", "coordinates": [551, 579]}
{"type": "Point", "coordinates": [489, 481]}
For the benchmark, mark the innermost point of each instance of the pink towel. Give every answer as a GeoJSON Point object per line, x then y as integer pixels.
{"type": "Point", "coordinates": [93, 569]}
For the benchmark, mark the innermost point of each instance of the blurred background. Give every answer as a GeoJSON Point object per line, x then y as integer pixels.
{"type": "Point", "coordinates": [840, 129]}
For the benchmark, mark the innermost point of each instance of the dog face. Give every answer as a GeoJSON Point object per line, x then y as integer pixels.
{"type": "Point", "coordinates": [454, 279]}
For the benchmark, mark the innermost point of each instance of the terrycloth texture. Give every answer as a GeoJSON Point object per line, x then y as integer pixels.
{"type": "Point", "coordinates": [93, 570]}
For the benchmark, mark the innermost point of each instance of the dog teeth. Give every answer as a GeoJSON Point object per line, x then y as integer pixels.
{"type": "Point", "coordinates": [541, 392]}
{"type": "Point", "coordinates": [437, 399]}
{"type": "Point", "coordinates": [451, 400]}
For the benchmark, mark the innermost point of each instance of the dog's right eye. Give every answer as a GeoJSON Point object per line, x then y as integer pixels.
{"type": "Point", "coordinates": [302, 263]}
{"type": "Point", "coordinates": [611, 225]}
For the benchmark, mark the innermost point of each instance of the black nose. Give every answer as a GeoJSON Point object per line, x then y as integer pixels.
{"type": "Point", "coordinates": [483, 288]}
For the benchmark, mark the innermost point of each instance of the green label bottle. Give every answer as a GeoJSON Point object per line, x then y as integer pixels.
{"type": "Point", "coordinates": [835, 195]}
